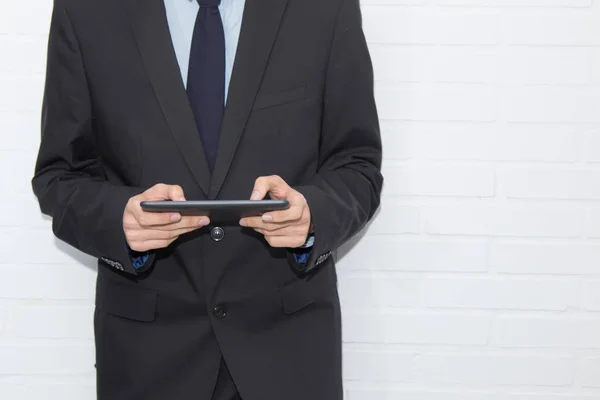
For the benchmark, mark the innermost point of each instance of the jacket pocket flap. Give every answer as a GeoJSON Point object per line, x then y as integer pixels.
{"type": "Point", "coordinates": [303, 292]}
{"type": "Point", "coordinates": [126, 301]}
{"type": "Point", "coordinates": [267, 100]}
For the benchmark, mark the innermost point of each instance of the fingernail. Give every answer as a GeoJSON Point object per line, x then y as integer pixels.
{"type": "Point", "coordinates": [175, 217]}
{"type": "Point", "coordinates": [204, 221]}
{"type": "Point", "coordinates": [180, 199]}
{"type": "Point", "coordinates": [267, 217]}
{"type": "Point", "coordinates": [255, 195]}
{"type": "Point", "coordinates": [243, 223]}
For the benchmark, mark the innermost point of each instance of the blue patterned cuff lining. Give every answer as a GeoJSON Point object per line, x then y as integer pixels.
{"type": "Point", "coordinates": [140, 261]}
{"type": "Point", "coordinates": [302, 253]}
{"type": "Point", "coordinates": [302, 258]}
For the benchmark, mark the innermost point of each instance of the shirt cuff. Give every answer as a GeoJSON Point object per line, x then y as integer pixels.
{"type": "Point", "coordinates": [309, 242]}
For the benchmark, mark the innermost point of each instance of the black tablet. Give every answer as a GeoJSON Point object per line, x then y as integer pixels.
{"type": "Point", "coordinates": [217, 209]}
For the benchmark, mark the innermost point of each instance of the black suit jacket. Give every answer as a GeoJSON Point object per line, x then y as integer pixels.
{"type": "Point", "coordinates": [116, 121]}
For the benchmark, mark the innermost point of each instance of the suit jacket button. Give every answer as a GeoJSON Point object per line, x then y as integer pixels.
{"type": "Point", "coordinates": [220, 311]}
{"type": "Point", "coordinates": [217, 234]}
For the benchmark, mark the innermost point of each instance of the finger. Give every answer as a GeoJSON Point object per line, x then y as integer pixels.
{"type": "Point", "coordinates": [154, 219]}
{"type": "Point", "coordinates": [292, 214]}
{"type": "Point", "coordinates": [148, 245]}
{"type": "Point", "coordinates": [176, 193]}
{"type": "Point", "coordinates": [286, 217]}
{"type": "Point", "coordinates": [185, 223]}
{"type": "Point", "coordinates": [293, 230]}
{"type": "Point", "coordinates": [143, 235]}
{"type": "Point", "coordinates": [164, 192]}
{"type": "Point", "coordinates": [269, 184]}
{"type": "Point", "coordinates": [286, 241]}
{"type": "Point", "coordinates": [258, 223]}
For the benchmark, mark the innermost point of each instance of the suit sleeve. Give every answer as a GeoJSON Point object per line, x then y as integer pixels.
{"type": "Point", "coordinates": [345, 192]}
{"type": "Point", "coordinates": [69, 180]}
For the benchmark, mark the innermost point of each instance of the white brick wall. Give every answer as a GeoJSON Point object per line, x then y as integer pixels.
{"type": "Point", "coordinates": [480, 279]}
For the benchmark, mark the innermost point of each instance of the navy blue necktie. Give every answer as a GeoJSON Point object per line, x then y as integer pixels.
{"type": "Point", "coordinates": [206, 76]}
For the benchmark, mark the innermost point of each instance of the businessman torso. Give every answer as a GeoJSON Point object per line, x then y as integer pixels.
{"type": "Point", "coordinates": [222, 291]}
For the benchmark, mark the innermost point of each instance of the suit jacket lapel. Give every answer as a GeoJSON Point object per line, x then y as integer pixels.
{"type": "Point", "coordinates": [154, 41]}
{"type": "Point", "coordinates": [260, 25]}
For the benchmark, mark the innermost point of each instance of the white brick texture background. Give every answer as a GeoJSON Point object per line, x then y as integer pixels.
{"type": "Point", "coordinates": [480, 277]}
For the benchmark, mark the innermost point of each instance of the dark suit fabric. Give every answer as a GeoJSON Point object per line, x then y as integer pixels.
{"type": "Point", "coordinates": [225, 387]}
{"type": "Point", "coordinates": [116, 121]}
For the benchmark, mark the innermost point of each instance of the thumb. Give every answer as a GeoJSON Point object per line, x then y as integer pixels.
{"type": "Point", "coordinates": [176, 193]}
{"type": "Point", "coordinates": [269, 184]}
{"type": "Point", "coordinates": [165, 192]}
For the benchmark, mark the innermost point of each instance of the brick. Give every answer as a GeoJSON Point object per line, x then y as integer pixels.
{"type": "Point", "coordinates": [591, 372]}
{"type": "Point", "coordinates": [438, 103]}
{"type": "Point", "coordinates": [417, 63]}
{"type": "Point", "coordinates": [29, 54]}
{"type": "Point", "coordinates": [591, 295]}
{"type": "Point", "coordinates": [24, 128]}
{"type": "Point", "coordinates": [438, 180]}
{"type": "Point", "coordinates": [525, 221]}
{"type": "Point", "coordinates": [593, 222]}
{"type": "Point", "coordinates": [547, 332]}
{"type": "Point", "coordinates": [464, 64]}
{"type": "Point", "coordinates": [25, 20]}
{"type": "Point", "coordinates": [520, 142]}
{"type": "Point", "coordinates": [593, 145]}
{"type": "Point", "coordinates": [22, 201]}
{"type": "Point", "coordinates": [416, 328]}
{"type": "Point", "coordinates": [437, 140]}
{"type": "Point", "coordinates": [53, 322]}
{"type": "Point", "coordinates": [378, 366]}
{"type": "Point", "coordinates": [21, 93]}
{"type": "Point", "coordinates": [553, 396]}
{"type": "Point", "coordinates": [378, 291]}
{"type": "Point", "coordinates": [4, 310]}
{"type": "Point", "coordinates": [517, 3]}
{"type": "Point", "coordinates": [541, 258]}
{"type": "Point", "coordinates": [391, 254]}
{"type": "Point", "coordinates": [458, 394]}
{"type": "Point", "coordinates": [29, 359]}
{"type": "Point", "coordinates": [401, 63]}
{"type": "Point", "coordinates": [551, 104]}
{"type": "Point", "coordinates": [48, 249]}
{"type": "Point", "coordinates": [482, 141]}
{"type": "Point", "coordinates": [490, 293]}
{"type": "Point", "coordinates": [551, 183]}
{"type": "Point", "coordinates": [47, 391]}
{"type": "Point", "coordinates": [60, 282]}
{"type": "Point", "coordinates": [545, 65]}
{"type": "Point", "coordinates": [430, 26]}
{"type": "Point", "coordinates": [395, 2]}
{"type": "Point", "coordinates": [497, 369]}
{"type": "Point", "coordinates": [557, 28]}
{"type": "Point", "coordinates": [16, 170]}
{"type": "Point", "coordinates": [423, 394]}
{"type": "Point", "coordinates": [595, 65]}
{"type": "Point", "coordinates": [395, 218]}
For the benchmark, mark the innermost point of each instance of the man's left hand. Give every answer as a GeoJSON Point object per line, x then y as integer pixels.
{"type": "Point", "coordinates": [285, 228]}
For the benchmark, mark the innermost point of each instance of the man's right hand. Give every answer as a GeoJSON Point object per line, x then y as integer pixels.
{"type": "Point", "coordinates": [146, 231]}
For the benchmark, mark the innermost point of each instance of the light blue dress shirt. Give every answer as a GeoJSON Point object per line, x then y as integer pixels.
{"type": "Point", "coordinates": [181, 17]}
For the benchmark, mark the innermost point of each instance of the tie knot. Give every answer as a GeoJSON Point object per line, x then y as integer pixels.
{"type": "Point", "coordinates": [209, 3]}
